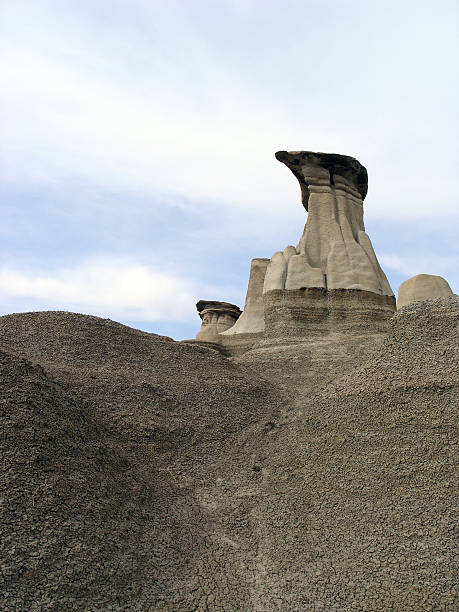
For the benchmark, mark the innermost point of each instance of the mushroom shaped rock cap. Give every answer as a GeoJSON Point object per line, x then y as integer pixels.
{"type": "Point", "coordinates": [344, 165]}
{"type": "Point", "coordinates": [214, 306]}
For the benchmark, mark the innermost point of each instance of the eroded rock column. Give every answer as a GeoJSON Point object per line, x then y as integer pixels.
{"type": "Point", "coordinates": [216, 317]}
{"type": "Point", "coordinates": [250, 326]}
{"type": "Point", "coordinates": [334, 251]}
{"type": "Point", "coordinates": [332, 279]}
{"type": "Point", "coordinates": [252, 321]}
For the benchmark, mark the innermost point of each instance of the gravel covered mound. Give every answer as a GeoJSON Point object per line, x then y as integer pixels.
{"type": "Point", "coordinates": [143, 386]}
{"type": "Point", "coordinates": [137, 426]}
{"type": "Point", "coordinates": [367, 503]}
{"type": "Point", "coordinates": [82, 526]}
{"type": "Point", "coordinates": [422, 350]}
{"type": "Point", "coordinates": [175, 479]}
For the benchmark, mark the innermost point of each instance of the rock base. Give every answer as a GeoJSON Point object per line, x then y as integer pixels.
{"type": "Point", "coordinates": [312, 311]}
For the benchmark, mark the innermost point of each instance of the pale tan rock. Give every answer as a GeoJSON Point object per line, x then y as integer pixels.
{"type": "Point", "coordinates": [365, 243]}
{"type": "Point", "coordinates": [251, 320]}
{"type": "Point", "coordinates": [289, 251]}
{"type": "Point", "coordinates": [336, 252]}
{"type": "Point", "coordinates": [216, 317]}
{"type": "Point", "coordinates": [300, 274]}
{"type": "Point", "coordinates": [422, 287]}
{"type": "Point", "coordinates": [285, 269]}
{"type": "Point", "coordinates": [276, 273]}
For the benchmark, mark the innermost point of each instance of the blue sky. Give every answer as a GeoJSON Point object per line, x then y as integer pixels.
{"type": "Point", "coordinates": [138, 138]}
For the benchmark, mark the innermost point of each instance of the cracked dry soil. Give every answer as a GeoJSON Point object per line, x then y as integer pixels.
{"type": "Point", "coordinates": [139, 473]}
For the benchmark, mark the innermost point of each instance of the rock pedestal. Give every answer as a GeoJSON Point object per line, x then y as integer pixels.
{"type": "Point", "coordinates": [332, 278]}
{"type": "Point", "coordinates": [301, 314]}
{"type": "Point", "coordinates": [216, 317]}
{"type": "Point", "coordinates": [334, 251]}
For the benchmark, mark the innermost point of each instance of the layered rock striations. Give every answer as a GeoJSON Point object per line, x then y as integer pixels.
{"type": "Point", "coordinates": [334, 251]}
{"type": "Point", "coordinates": [216, 318]}
{"type": "Point", "coordinates": [313, 470]}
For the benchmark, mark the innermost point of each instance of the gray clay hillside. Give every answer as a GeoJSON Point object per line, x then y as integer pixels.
{"type": "Point", "coordinates": [296, 457]}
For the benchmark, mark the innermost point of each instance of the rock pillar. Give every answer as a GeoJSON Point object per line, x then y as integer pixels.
{"type": "Point", "coordinates": [332, 279]}
{"type": "Point", "coordinates": [216, 317]}
{"type": "Point", "coordinates": [334, 251]}
{"type": "Point", "coordinates": [250, 326]}
{"type": "Point", "coordinates": [252, 321]}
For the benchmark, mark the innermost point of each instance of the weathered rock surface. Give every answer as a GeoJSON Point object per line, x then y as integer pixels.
{"type": "Point", "coordinates": [109, 448]}
{"type": "Point", "coordinates": [141, 473]}
{"type": "Point", "coordinates": [363, 469]}
{"type": "Point", "coordinates": [334, 251]}
{"type": "Point", "coordinates": [216, 318]}
{"type": "Point", "coordinates": [422, 287]}
{"type": "Point", "coordinates": [252, 320]}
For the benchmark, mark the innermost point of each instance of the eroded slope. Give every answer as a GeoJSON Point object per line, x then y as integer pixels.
{"type": "Point", "coordinates": [310, 476]}
{"type": "Point", "coordinates": [137, 431]}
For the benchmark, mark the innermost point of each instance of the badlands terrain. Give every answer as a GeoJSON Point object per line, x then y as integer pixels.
{"type": "Point", "coordinates": [298, 457]}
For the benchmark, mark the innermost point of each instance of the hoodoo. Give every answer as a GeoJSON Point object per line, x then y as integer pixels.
{"type": "Point", "coordinates": [332, 279]}
{"type": "Point", "coordinates": [296, 456]}
{"type": "Point", "coordinates": [334, 251]}
{"type": "Point", "coordinates": [216, 317]}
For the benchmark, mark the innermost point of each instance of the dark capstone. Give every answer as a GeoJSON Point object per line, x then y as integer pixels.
{"type": "Point", "coordinates": [344, 165]}
{"type": "Point", "coordinates": [214, 306]}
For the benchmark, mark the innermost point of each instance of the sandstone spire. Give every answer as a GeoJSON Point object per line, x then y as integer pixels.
{"type": "Point", "coordinates": [216, 317]}
{"type": "Point", "coordinates": [252, 320]}
{"type": "Point", "coordinates": [334, 251]}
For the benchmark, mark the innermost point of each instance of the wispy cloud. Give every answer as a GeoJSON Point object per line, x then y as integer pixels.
{"type": "Point", "coordinates": [159, 104]}
{"type": "Point", "coordinates": [140, 128]}
{"type": "Point", "coordinates": [104, 287]}
{"type": "Point", "coordinates": [411, 264]}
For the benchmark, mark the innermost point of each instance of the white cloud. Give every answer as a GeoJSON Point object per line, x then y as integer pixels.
{"type": "Point", "coordinates": [415, 263]}
{"type": "Point", "coordinates": [153, 102]}
{"type": "Point", "coordinates": [132, 104]}
{"type": "Point", "coordinates": [104, 287]}
{"type": "Point", "coordinates": [64, 122]}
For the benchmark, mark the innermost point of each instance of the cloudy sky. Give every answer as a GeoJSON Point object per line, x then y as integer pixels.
{"type": "Point", "coordinates": [138, 138]}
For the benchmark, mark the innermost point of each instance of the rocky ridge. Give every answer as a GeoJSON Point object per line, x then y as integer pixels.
{"type": "Point", "coordinates": [142, 473]}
